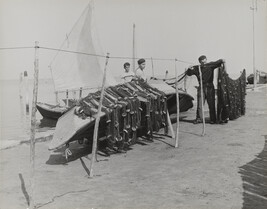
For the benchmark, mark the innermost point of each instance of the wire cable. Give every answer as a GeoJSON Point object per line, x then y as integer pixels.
{"type": "Point", "coordinates": [95, 55]}
{"type": "Point", "coordinates": [22, 47]}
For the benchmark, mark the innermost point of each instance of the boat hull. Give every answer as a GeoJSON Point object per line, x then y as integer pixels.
{"type": "Point", "coordinates": [50, 111]}
{"type": "Point", "coordinates": [71, 127]}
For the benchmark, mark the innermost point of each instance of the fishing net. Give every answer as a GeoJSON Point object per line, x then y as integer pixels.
{"type": "Point", "coordinates": [231, 96]}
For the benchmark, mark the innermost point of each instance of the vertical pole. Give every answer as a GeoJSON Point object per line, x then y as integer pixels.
{"type": "Point", "coordinates": [81, 91]}
{"type": "Point", "coordinates": [152, 64]}
{"type": "Point", "coordinates": [74, 94]}
{"type": "Point", "coordinates": [20, 85]}
{"type": "Point", "coordinates": [202, 105]}
{"type": "Point", "coordinates": [185, 79]}
{"type": "Point", "coordinates": [33, 123]}
{"type": "Point", "coordinates": [98, 118]}
{"type": "Point", "coordinates": [253, 42]}
{"type": "Point", "coordinates": [166, 74]}
{"type": "Point", "coordinates": [134, 48]}
{"type": "Point", "coordinates": [67, 97]}
{"type": "Point", "coordinates": [170, 125]}
{"type": "Point", "coordinates": [56, 93]}
{"type": "Point", "coordinates": [26, 85]}
{"type": "Point", "coordinates": [177, 106]}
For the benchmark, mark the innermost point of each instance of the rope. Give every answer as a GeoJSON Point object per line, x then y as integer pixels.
{"type": "Point", "coordinates": [112, 57]}
{"type": "Point", "coordinates": [67, 35]}
{"type": "Point", "coordinates": [22, 47]}
{"type": "Point", "coordinates": [74, 52]}
{"type": "Point", "coordinates": [96, 55]}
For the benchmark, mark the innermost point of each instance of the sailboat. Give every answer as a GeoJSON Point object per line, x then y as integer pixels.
{"type": "Point", "coordinates": [76, 73]}
{"type": "Point", "coordinates": [129, 109]}
{"type": "Point", "coordinates": [80, 73]}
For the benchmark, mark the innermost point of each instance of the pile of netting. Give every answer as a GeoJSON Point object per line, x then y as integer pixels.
{"type": "Point", "coordinates": [129, 110]}
{"type": "Point", "coordinates": [231, 96]}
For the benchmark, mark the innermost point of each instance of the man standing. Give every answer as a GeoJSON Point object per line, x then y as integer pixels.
{"type": "Point", "coordinates": [140, 73]}
{"type": "Point", "coordinates": [127, 75]}
{"type": "Point", "coordinates": [207, 70]}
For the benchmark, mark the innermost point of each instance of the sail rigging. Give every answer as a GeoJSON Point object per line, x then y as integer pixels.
{"type": "Point", "coordinates": [72, 71]}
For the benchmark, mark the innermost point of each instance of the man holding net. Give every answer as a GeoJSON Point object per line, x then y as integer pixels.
{"type": "Point", "coordinates": [207, 70]}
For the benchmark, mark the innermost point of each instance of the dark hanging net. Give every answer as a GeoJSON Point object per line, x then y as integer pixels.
{"type": "Point", "coordinates": [231, 96]}
{"type": "Point", "coordinates": [129, 108]}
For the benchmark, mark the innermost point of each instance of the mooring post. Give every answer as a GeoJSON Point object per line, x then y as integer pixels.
{"type": "Point", "coordinates": [177, 106]}
{"type": "Point", "coordinates": [20, 84]}
{"type": "Point", "coordinates": [134, 48]}
{"type": "Point", "coordinates": [81, 92]}
{"type": "Point", "coordinates": [170, 125]}
{"type": "Point", "coordinates": [94, 148]}
{"type": "Point", "coordinates": [152, 65]}
{"type": "Point", "coordinates": [185, 79]}
{"type": "Point", "coordinates": [33, 123]}
{"type": "Point", "coordinates": [202, 101]}
{"type": "Point", "coordinates": [166, 74]}
{"type": "Point", "coordinates": [26, 87]}
{"type": "Point", "coordinates": [67, 97]}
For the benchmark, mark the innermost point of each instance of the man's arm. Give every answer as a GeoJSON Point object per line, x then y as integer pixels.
{"type": "Point", "coordinates": [215, 64]}
{"type": "Point", "coordinates": [191, 70]}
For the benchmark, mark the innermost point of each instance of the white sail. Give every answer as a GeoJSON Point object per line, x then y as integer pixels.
{"type": "Point", "coordinates": [72, 71]}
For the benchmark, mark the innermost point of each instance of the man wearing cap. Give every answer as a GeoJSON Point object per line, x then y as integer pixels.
{"type": "Point", "coordinates": [128, 75]}
{"type": "Point", "coordinates": [140, 73]}
{"type": "Point", "coordinates": [207, 70]}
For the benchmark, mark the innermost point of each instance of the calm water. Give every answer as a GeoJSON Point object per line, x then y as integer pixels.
{"type": "Point", "coordinates": [15, 121]}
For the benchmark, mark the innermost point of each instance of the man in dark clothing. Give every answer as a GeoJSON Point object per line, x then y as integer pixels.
{"type": "Point", "coordinates": [207, 70]}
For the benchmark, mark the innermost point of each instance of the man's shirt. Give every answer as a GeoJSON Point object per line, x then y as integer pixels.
{"type": "Point", "coordinates": [140, 74]}
{"type": "Point", "coordinates": [126, 77]}
{"type": "Point", "coordinates": [207, 71]}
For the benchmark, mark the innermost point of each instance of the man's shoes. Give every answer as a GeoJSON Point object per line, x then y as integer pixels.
{"type": "Point", "coordinates": [212, 122]}
{"type": "Point", "coordinates": [198, 120]}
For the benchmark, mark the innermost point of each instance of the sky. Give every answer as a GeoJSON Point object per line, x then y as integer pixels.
{"type": "Point", "coordinates": [182, 29]}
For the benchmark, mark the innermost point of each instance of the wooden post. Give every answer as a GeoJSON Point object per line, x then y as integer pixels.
{"type": "Point", "coordinates": [170, 125]}
{"type": "Point", "coordinates": [26, 87]}
{"type": "Point", "coordinates": [81, 92]}
{"type": "Point", "coordinates": [98, 118]}
{"type": "Point", "coordinates": [56, 93]}
{"type": "Point", "coordinates": [74, 94]}
{"type": "Point", "coordinates": [33, 123]}
{"type": "Point", "coordinates": [20, 84]}
{"type": "Point", "coordinates": [166, 74]}
{"type": "Point", "coordinates": [185, 79]}
{"type": "Point", "coordinates": [67, 97]}
{"type": "Point", "coordinates": [134, 48]}
{"type": "Point", "coordinates": [152, 64]}
{"type": "Point", "coordinates": [202, 105]}
{"type": "Point", "coordinates": [178, 107]}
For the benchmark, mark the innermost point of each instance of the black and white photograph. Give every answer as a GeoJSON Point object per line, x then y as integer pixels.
{"type": "Point", "coordinates": [133, 104]}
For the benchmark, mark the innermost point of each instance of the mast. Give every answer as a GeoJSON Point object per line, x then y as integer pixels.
{"type": "Point", "coordinates": [253, 8]}
{"type": "Point", "coordinates": [133, 64]}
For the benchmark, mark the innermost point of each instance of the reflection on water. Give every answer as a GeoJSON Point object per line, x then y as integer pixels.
{"type": "Point", "coordinates": [24, 117]}
{"type": "Point", "coordinates": [15, 122]}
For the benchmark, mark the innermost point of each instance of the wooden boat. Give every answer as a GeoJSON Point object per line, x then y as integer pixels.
{"type": "Point", "coordinates": [185, 99]}
{"type": "Point", "coordinates": [51, 111]}
{"type": "Point", "coordinates": [261, 78]}
{"type": "Point", "coordinates": [74, 127]}
{"type": "Point", "coordinates": [56, 111]}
